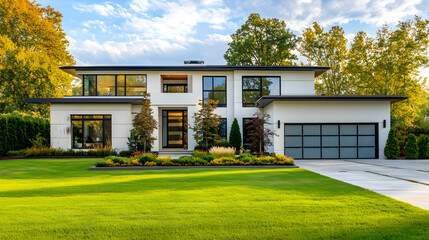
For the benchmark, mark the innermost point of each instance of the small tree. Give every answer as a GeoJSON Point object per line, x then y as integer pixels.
{"type": "Point", "coordinates": [206, 123]}
{"type": "Point", "coordinates": [411, 150]}
{"type": "Point", "coordinates": [235, 135]}
{"type": "Point", "coordinates": [423, 146]}
{"type": "Point", "coordinates": [259, 135]}
{"type": "Point", "coordinates": [391, 150]}
{"type": "Point", "coordinates": [144, 123]}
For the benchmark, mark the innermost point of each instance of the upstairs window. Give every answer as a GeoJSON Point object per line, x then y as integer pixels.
{"type": "Point", "coordinates": [175, 88]}
{"type": "Point", "coordinates": [258, 86]}
{"type": "Point", "coordinates": [215, 88]}
{"type": "Point", "coordinates": [174, 83]}
{"type": "Point", "coordinates": [114, 85]}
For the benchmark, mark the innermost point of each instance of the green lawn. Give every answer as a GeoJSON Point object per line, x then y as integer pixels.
{"type": "Point", "coordinates": [51, 199]}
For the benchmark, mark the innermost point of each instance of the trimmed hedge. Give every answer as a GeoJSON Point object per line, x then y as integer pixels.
{"type": "Point", "coordinates": [391, 150]}
{"type": "Point", "coordinates": [16, 132]}
{"type": "Point", "coordinates": [423, 146]}
{"type": "Point", "coordinates": [32, 152]}
{"type": "Point", "coordinates": [411, 150]}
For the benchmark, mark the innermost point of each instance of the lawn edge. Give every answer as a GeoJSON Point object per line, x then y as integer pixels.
{"type": "Point", "coordinates": [185, 167]}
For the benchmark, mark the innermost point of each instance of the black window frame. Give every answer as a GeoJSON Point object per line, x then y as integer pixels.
{"type": "Point", "coordinates": [82, 119]}
{"type": "Point", "coordinates": [245, 133]}
{"type": "Point", "coordinates": [224, 121]}
{"type": "Point", "coordinates": [213, 90]}
{"type": "Point", "coordinates": [116, 83]}
{"type": "Point", "coordinates": [260, 90]}
{"type": "Point", "coordinates": [175, 84]}
{"type": "Point", "coordinates": [339, 135]}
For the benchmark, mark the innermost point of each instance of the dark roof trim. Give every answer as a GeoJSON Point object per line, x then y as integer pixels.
{"type": "Point", "coordinates": [132, 100]}
{"type": "Point", "coordinates": [265, 100]}
{"type": "Point", "coordinates": [72, 69]}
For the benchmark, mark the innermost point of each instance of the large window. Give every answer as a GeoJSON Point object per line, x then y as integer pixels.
{"type": "Point", "coordinates": [331, 141]}
{"type": "Point", "coordinates": [246, 140]}
{"type": "Point", "coordinates": [114, 85]}
{"type": "Point", "coordinates": [91, 131]}
{"type": "Point", "coordinates": [215, 88]}
{"type": "Point", "coordinates": [255, 87]}
{"type": "Point", "coordinates": [175, 88]}
{"type": "Point", "coordinates": [223, 129]}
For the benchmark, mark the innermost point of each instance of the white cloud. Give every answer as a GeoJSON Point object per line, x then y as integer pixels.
{"type": "Point", "coordinates": [104, 10]}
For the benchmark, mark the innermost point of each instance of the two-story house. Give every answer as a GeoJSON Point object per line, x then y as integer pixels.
{"type": "Point", "coordinates": [307, 126]}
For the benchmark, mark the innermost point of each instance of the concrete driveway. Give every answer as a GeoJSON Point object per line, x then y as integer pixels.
{"type": "Point", "coordinates": [404, 180]}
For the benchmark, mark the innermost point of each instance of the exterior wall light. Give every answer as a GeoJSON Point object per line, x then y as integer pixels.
{"type": "Point", "coordinates": [384, 123]}
{"type": "Point", "coordinates": [278, 123]}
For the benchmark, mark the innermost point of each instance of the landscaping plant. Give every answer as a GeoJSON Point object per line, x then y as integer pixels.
{"type": "Point", "coordinates": [391, 150]}
{"type": "Point", "coordinates": [235, 135]}
{"type": "Point", "coordinates": [219, 152]}
{"type": "Point", "coordinates": [411, 149]}
{"type": "Point", "coordinates": [259, 135]}
{"type": "Point", "coordinates": [423, 146]}
{"type": "Point", "coordinates": [206, 123]}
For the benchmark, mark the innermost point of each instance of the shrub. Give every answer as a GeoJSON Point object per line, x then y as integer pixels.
{"type": "Point", "coordinates": [222, 143]}
{"type": "Point", "coordinates": [235, 135]}
{"type": "Point", "coordinates": [219, 152]}
{"type": "Point", "coordinates": [267, 160]}
{"type": "Point", "coordinates": [150, 164]}
{"type": "Point", "coordinates": [423, 146]}
{"type": "Point", "coordinates": [225, 161]}
{"type": "Point", "coordinates": [411, 150]}
{"type": "Point", "coordinates": [391, 150]}
{"type": "Point", "coordinates": [144, 159]}
{"type": "Point", "coordinates": [102, 163]}
{"type": "Point", "coordinates": [283, 160]}
{"type": "Point", "coordinates": [199, 154]}
{"type": "Point", "coordinates": [34, 151]}
{"type": "Point", "coordinates": [119, 161]}
{"type": "Point", "coordinates": [208, 157]}
{"type": "Point", "coordinates": [125, 153]}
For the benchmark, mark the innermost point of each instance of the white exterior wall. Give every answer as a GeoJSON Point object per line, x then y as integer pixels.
{"type": "Point", "coordinates": [329, 112]}
{"type": "Point", "coordinates": [61, 122]}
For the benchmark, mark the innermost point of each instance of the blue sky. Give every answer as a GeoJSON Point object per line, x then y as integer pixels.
{"type": "Point", "coordinates": [154, 32]}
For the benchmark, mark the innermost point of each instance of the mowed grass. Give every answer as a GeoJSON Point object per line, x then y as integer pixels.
{"type": "Point", "coordinates": [63, 199]}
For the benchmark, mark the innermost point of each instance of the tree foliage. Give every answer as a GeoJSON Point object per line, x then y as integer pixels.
{"type": "Point", "coordinates": [263, 42]}
{"type": "Point", "coordinates": [206, 123]}
{"type": "Point", "coordinates": [259, 134]}
{"type": "Point", "coordinates": [144, 124]}
{"type": "Point", "coordinates": [411, 150]}
{"type": "Point", "coordinates": [391, 150]}
{"type": "Point", "coordinates": [235, 135]}
{"type": "Point", "coordinates": [423, 146]}
{"type": "Point", "coordinates": [32, 47]}
{"type": "Point", "coordinates": [326, 49]}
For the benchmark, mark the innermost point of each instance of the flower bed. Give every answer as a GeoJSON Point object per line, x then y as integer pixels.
{"type": "Point", "coordinates": [199, 159]}
{"type": "Point", "coordinates": [46, 152]}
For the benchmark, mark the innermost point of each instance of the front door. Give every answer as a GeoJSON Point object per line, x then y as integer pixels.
{"type": "Point", "coordinates": [174, 128]}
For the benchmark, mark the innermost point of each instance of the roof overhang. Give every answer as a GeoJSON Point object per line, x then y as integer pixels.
{"type": "Point", "coordinates": [266, 100]}
{"type": "Point", "coordinates": [198, 67]}
{"type": "Point", "coordinates": [75, 99]}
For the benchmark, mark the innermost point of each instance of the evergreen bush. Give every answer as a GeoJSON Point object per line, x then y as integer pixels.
{"type": "Point", "coordinates": [423, 146]}
{"type": "Point", "coordinates": [391, 150]}
{"type": "Point", "coordinates": [411, 149]}
{"type": "Point", "coordinates": [235, 135]}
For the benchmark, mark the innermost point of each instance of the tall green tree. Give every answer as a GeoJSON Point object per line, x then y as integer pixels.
{"type": "Point", "coordinates": [235, 135]}
{"type": "Point", "coordinates": [144, 124]}
{"type": "Point", "coordinates": [262, 42]}
{"type": "Point", "coordinates": [32, 47]}
{"type": "Point", "coordinates": [206, 123]}
{"type": "Point", "coordinates": [326, 49]}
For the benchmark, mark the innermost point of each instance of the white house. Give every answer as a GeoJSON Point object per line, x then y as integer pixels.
{"type": "Point", "coordinates": [308, 126]}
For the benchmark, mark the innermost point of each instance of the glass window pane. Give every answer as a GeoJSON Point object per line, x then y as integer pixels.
{"type": "Point", "coordinates": [222, 128]}
{"type": "Point", "coordinates": [311, 153]}
{"type": "Point", "coordinates": [76, 86]}
{"type": "Point", "coordinates": [366, 129]}
{"type": "Point", "coordinates": [77, 134]}
{"type": "Point", "coordinates": [106, 85]}
{"type": "Point", "coordinates": [311, 129]}
{"type": "Point", "coordinates": [348, 141]}
{"type": "Point", "coordinates": [348, 153]}
{"type": "Point", "coordinates": [221, 97]}
{"type": "Point", "coordinates": [208, 95]}
{"type": "Point", "coordinates": [348, 130]}
{"type": "Point", "coordinates": [250, 97]}
{"type": "Point", "coordinates": [93, 134]}
{"type": "Point", "coordinates": [366, 152]}
{"type": "Point", "coordinates": [89, 85]}
{"type": "Point", "coordinates": [208, 85]}
{"type": "Point", "coordinates": [120, 81]}
{"type": "Point", "coordinates": [293, 129]}
{"type": "Point", "coordinates": [219, 83]}
{"type": "Point", "coordinates": [251, 83]}
{"type": "Point", "coordinates": [330, 153]}
{"type": "Point", "coordinates": [136, 85]}
{"type": "Point", "coordinates": [311, 141]}
{"type": "Point", "coordinates": [293, 141]}
{"type": "Point", "coordinates": [272, 85]}
{"type": "Point", "coordinates": [330, 141]}
{"type": "Point", "coordinates": [172, 88]}
{"type": "Point", "coordinates": [366, 141]}
{"type": "Point", "coordinates": [293, 152]}
{"type": "Point", "coordinates": [329, 129]}
{"type": "Point", "coordinates": [108, 133]}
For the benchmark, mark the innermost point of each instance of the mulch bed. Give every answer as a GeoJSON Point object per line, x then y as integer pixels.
{"type": "Point", "coordinates": [186, 167]}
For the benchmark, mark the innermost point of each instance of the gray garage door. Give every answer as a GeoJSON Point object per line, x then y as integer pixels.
{"type": "Point", "coordinates": [331, 141]}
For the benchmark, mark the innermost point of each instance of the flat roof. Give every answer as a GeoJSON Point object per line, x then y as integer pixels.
{"type": "Point", "coordinates": [265, 100]}
{"type": "Point", "coordinates": [95, 99]}
{"type": "Point", "coordinates": [194, 67]}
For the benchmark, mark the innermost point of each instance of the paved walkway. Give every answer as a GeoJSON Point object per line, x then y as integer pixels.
{"type": "Point", "coordinates": [404, 180]}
